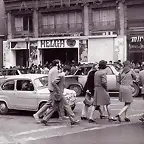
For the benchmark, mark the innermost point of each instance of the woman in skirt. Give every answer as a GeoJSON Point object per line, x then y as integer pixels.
{"type": "Point", "coordinates": [125, 78]}
{"type": "Point", "coordinates": [101, 96]}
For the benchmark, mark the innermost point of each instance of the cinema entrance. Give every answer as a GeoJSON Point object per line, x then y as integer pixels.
{"type": "Point", "coordinates": [65, 50]}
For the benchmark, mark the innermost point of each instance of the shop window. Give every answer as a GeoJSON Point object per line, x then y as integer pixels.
{"type": "Point", "coordinates": [24, 85]}
{"type": "Point", "coordinates": [9, 85]}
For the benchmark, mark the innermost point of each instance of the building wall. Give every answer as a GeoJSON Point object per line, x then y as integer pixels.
{"type": "Point", "coordinates": [74, 20]}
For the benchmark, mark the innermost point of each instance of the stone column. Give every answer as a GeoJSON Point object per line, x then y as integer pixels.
{"type": "Point", "coordinates": [121, 17]}
{"type": "Point", "coordinates": [9, 25]}
{"type": "Point", "coordinates": [35, 23]}
{"type": "Point", "coordinates": [120, 41]}
{"type": "Point", "coordinates": [86, 20]}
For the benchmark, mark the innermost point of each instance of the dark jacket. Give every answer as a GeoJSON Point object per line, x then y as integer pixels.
{"type": "Point", "coordinates": [89, 85]}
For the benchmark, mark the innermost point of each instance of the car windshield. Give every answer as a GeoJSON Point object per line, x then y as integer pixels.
{"type": "Point", "coordinates": [41, 82]}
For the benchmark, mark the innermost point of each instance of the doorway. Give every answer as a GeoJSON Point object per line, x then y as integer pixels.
{"type": "Point", "coordinates": [66, 55]}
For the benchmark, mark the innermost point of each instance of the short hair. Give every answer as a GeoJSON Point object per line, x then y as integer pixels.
{"type": "Point", "coordinates": [55, 62]}
{"type": "Point", "coordinates": [126, 63]}
{"type": "Point", "coordinates": [102, 64]}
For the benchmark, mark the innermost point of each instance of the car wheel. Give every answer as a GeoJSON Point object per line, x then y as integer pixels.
{"type": "Point", "coordinates": [3, 108]}
{"type": "Point", "coordinates": [76, 88]}
{"type": "Point", "coordinates": [136, 90]}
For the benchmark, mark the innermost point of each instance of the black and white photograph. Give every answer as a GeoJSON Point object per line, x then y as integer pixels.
{"type": "Point", "coordinates": [71, 71]}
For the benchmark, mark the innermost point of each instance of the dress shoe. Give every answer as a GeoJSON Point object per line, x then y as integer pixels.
{"type": "Point", "coordinates": [36, 118]}
{"type": "Point", "coordinates": [141, 119]}
{"type": "Point", "coordinates": [118, 117]}
{"type": "Point", "coordinates": [84, 118]}
{"type": "Point", "coordinates": [112, 119]}
{"type": "Point", "coordinates": [127, 119]}
{"type": "Point", "coordinates": [44, 122]}
{"type": "Point", "coordinates": [92, 121]}
{"type": "Point", "coordinates": [75, 122]}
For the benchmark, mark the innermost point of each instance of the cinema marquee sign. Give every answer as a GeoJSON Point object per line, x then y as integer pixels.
{"type": "Point", "coordinates": [53, 43]}
{"type": "Point", "coordinates": [136, 42]}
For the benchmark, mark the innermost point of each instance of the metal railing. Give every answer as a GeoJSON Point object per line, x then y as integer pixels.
{"type": "Point", "coordinates": [20, 32]}
{"type": "Point", "coordinates": [104, 26]}
{"type": "Point", "coordinates": [62, 28]}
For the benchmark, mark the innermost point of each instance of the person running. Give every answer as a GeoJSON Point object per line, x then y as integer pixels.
{"type": "Point", "coordinates": [125, 78]}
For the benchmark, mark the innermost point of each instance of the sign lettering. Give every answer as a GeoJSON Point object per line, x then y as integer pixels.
{"type": "Point", "coordinates": [58, 43]}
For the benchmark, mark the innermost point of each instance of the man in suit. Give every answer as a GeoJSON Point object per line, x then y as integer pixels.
{"type": "Point", "coordinates": [60, 102]}
{"type": "Point", "coordinates": [53, 73]}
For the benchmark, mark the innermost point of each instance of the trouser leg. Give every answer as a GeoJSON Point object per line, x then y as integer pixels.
{"type": "Point", "coordinates": [41, 111]}
{"type": "Point", "coordinates": [84, 110]}
{"type": "Point", "coordinates": [68, 110]}
{"type": "Point", "coordinates": [92, 112]}
{"type": "Point", "coordinates": [50, 112]}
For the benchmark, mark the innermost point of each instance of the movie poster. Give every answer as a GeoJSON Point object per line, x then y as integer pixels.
{"type": "Point", "coordinates": [83, 51]}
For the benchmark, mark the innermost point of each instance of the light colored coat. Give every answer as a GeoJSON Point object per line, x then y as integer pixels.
{"type": "Point", "coordinates": [59, 85]}
{"type": "Point", "coordinates": [141, 79]}
{"type": "Point", "coordinates": [101, 96]}
{"type": "Point", "coordinates": [126, 89]}
{"type": "Point", "coordinates": [53, 73]}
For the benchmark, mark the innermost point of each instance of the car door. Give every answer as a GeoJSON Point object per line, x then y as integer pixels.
{"type": "Point", "coordinates": [82, 76]}
{"type": "Point", "coordinates": [8, 93]}
{"type": "Point", "coordinates": [112, 84]}
{"type": "Point", "coordinates": [26, 95]}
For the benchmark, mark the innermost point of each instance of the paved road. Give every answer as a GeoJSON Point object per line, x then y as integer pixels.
{"type": "Point", "coordinates": [21, 127]}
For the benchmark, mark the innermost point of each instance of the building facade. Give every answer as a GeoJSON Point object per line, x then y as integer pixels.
{"type": "Point", "coordinates": [79, 30]}
{"type": "Point", "coordinates": [135, 30]}
{"type": "Point", "coordinates": [2, 30]}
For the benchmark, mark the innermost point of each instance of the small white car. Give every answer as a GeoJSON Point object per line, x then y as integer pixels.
{"type": "Point", "coordinates": [28, 92]}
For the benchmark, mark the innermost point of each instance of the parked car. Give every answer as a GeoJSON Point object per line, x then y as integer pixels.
{"type": "Point", "coordinates": [7, 72]}
{"type": "Point", "coordinates": [28, 92]}
{"type": "Point", "coordinates": [77, 81]}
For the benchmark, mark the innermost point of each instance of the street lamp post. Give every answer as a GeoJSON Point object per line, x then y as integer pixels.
{"type": "Point", "coordinates": [27, 40]}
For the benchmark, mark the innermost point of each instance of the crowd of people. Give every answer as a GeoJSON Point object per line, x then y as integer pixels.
{"type": "Point", "coordinates": [96, 95]}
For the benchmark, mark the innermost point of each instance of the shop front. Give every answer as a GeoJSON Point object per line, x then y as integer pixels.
{"type": "Point", "coordinates": [135, 50]}
{"type": "Point", "coordinates": [64, 49]}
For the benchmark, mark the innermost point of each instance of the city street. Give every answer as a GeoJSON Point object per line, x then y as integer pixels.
{"type": "Point", "coordinates": [20, 127]}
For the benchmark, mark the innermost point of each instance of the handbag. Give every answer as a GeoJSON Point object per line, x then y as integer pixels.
{"type": "Point", "coordinates": [88, 100]}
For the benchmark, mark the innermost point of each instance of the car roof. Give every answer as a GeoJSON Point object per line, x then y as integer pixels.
{"type": "Point", "coordinates": [26, 76]}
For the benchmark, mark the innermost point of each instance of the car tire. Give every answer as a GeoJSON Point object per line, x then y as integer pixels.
{"type": "Point", "coordinates": [76, 88]}
{"type": "Point", "coordinates": [3, 108]}
{"type": "Point", "coordinates": [136, 90]}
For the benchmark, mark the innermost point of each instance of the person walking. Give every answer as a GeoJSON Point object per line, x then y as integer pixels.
{"type": "Point", "coordinates": [101, 97]}
{"type": "Point", "coordinates": [125, 78]}
{"type": "Point", "coordinates": [53, 73]}
{"type": "Point", "coordinates": [60, 102]}
{"type": "Point", "coordinates": [89, 93]}
{"type": "Point", "coordinates": [141, 80]}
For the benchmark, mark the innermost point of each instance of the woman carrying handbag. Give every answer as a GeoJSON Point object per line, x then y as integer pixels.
{"type": "Point", "coordinates": [89, 92]}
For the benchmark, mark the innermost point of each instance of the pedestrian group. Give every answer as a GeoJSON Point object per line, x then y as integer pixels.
{"type": "Point", "coordinates": [96, 95]}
